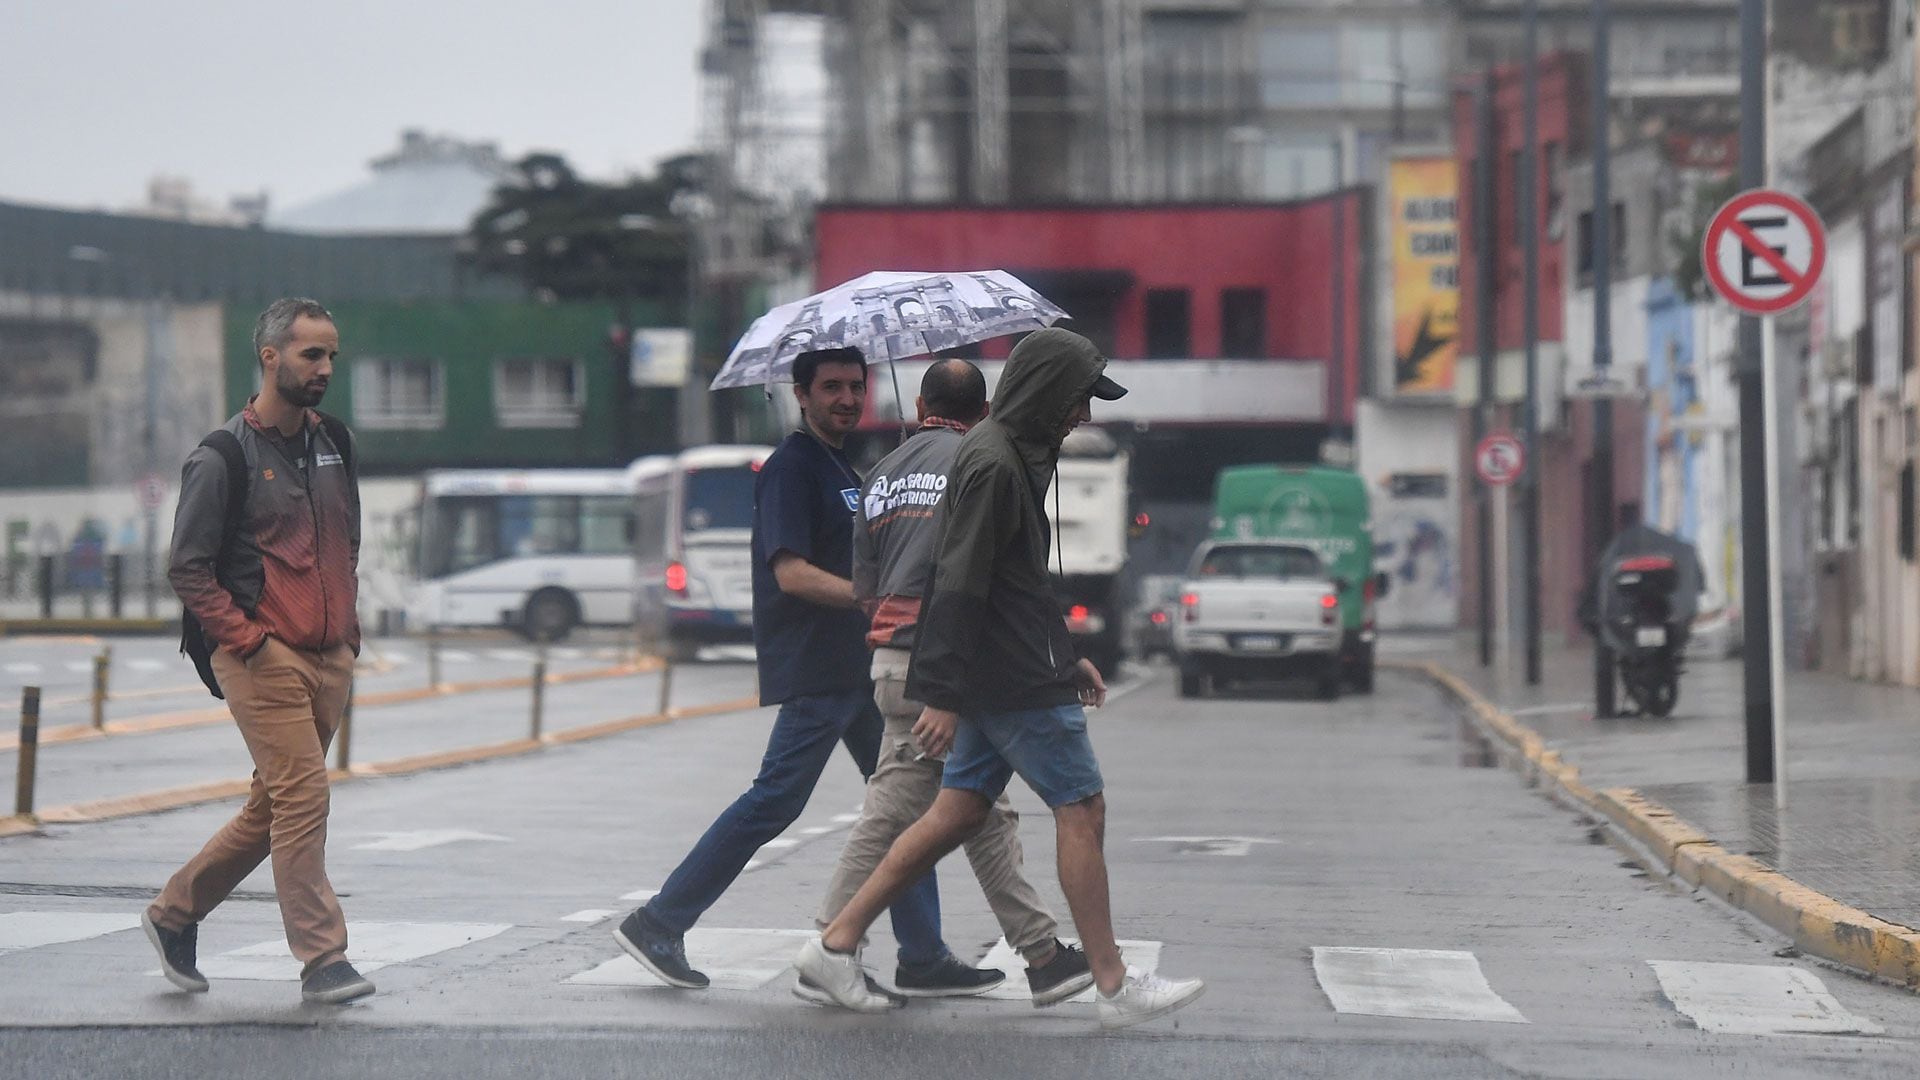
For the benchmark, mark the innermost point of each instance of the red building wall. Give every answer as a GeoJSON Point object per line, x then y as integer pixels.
{"type": "Point", "coordinates": [1285, 249]}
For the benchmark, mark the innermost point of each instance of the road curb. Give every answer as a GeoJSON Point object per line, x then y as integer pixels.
{"type": "Point", "coordinates": [192, 718]}
{"type": "Point", "coordinates": [1818, 924]}
{"type": "Point", "coordinates": [153, 802]}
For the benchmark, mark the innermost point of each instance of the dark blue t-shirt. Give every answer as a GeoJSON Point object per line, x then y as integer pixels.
{"type": "Point", "coordinates": [803, 502]}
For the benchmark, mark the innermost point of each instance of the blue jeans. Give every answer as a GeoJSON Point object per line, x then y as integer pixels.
{"type": "Point", "coordinates": [797, 752]}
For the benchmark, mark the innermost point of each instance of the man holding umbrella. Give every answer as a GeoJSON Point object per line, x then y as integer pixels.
{"type": "Point", "coordinates": [810, 641]}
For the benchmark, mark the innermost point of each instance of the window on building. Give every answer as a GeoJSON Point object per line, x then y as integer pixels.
{"type": "Point", "coordinates": [1243, 324]}
{"type": "Point", "coordinates": [1554, 203]}
{"type": "Point", "coordinates": [1299, 65]}
{"type": "Point", "coordinates": [399, 394]}
{"type": "Point", "coordinates": [1169, 324]}
{"type": "Point", "coordinates": [538, 392]}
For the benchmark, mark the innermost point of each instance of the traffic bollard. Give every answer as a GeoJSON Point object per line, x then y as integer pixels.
{"type": "Point", "coordinates": [539, 693]}
{"type": "Point", "coordinates": [343, 739]}
{"type": "Point", "coordinates": [433, 658]}
{"type": "Point", "coordinates": [666, 683]}
{"type": "Point", "coordinates": [116, 584]}
{"type": "Point", "coordinates": [29, 750]}
{"type": "Point", "coordinates": [101, 663]}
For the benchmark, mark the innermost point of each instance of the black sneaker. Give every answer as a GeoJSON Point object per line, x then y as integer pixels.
{"type": "Point", "coordinates": [178, 949]}
{"type": "Point", "coordinates": [814, 994]}
{"type": "Point", "coordinates": [335, 984]}
{"type": "Point", "coordinates": [946, 977]}
{"type": "Point", "coordinates": [1060, 978]}
{"type": "Point", "coordinates": [659, 950]}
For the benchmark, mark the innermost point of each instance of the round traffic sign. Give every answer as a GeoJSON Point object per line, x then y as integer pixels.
{"type": "Point", "coordinates": [150, 491]}
{"type": "Point", "coordinates": [1499, 459]}
{"type": "Point", "coordinates": [1764, 251]}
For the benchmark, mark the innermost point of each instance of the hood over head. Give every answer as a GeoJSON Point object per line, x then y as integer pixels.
{"type": "Point", "coordinates": [1046, 377]}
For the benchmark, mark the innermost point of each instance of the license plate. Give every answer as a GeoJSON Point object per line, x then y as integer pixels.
{"type": "Point", "coordinates": [1260, 643]}
{"type": "Point", "coordinates": [1650, 636]}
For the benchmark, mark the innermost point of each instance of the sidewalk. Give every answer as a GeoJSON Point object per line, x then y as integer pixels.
{"type": "Point", "coordinates": [1851, 826]}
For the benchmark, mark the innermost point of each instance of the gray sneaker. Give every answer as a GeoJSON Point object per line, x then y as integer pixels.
{"type": "Point", "coordinates": [840, 977]}
{"type": "Point", "coordinates": [1145, 996]}
{"type": "Point", "coordinates": [335, 984]}
{"type": "Point", "coordinates": [177, 949]}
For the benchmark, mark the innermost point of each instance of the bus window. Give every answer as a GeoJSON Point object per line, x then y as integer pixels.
{"type": "Point", "coordinates": [460, 533]}
{"type": "Point", "coordinates": [719, 499]}
{"type": "Point", "coordinates": [606, 525]}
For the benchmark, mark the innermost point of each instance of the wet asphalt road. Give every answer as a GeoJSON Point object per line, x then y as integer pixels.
{"type": "Point", "coordinates": [1243, 833]}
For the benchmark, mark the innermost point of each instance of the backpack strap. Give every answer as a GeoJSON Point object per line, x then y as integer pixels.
{"type": "Point", "coordinates": [227, 445]}
{"type": "Point", "coordinates": [337, 434]}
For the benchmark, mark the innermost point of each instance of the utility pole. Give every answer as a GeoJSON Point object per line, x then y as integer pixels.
{"type": "Point", "coordinates": [1530, 313]}
{"type": "Point", "coordinates": [1756, 495]}
{"type": "Point", "coordinates": [1485, 216]}
{"type": "Point", "coordinates": [1602, 511]}
{"type": "Point", "coordinates": [1337, 369]}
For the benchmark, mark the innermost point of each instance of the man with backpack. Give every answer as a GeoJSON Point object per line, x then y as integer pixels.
{"type": "Point", "coordinates": [266, 543]}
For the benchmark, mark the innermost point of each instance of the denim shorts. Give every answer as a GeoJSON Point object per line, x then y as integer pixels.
{"type": "Point", "coordinates": [1048, 747]}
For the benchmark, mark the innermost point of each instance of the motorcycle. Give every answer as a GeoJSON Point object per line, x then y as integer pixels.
{"type": "Point", "coordinates": [1646, 630]}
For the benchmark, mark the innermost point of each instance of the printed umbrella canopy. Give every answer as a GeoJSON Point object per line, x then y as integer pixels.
{"type": "Point", "coordinates": [888, 316]}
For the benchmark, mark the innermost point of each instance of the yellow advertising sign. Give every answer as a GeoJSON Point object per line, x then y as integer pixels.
{"type": "Point", "coordinates": [1426, 268]}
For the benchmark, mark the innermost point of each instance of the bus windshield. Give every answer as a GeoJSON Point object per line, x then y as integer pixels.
{"type": "Point", "coordinates": [465, 531]}
{"type": "Point", "coordinates": [719, 499]}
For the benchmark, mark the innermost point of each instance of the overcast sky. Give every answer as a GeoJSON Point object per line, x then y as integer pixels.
{"type": "Point", "coordinates": [241, 95]}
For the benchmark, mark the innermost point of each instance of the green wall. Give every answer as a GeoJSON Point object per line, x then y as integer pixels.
{"type": "Point", "coordinates": [617, 424]}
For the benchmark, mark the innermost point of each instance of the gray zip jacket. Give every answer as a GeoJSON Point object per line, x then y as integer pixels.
{"type": "Point", "coordinates": [897, 530]}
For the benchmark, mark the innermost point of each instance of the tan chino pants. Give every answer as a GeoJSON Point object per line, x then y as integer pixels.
{"type": "Point", "coordinates": [287, 703]}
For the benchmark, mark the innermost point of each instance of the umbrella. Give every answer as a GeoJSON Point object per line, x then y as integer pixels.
{"type": "Point", "coordinates": [888, 316]}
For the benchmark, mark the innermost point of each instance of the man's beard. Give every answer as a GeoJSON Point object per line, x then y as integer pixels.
{"type": "Point", "coordinates": [298, 393]}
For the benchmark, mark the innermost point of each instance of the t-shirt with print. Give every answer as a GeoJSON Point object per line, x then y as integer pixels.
{"type": "Point", "coordinates": [804, 500]}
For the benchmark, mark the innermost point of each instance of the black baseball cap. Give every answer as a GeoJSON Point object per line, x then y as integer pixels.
{"type": "Point", "coordinates": [1106, 389]}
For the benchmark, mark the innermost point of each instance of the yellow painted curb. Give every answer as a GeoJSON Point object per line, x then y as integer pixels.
{"type": "Point", "coordinates": [204, 717]}
{"type": "Point", "coordinates": [444, 759]}
{"type": "Point", "coordinates": [175, 798]}
{"type": "Point", "coordinates": [1818, 924]}
{"type": "Point", "coordinates": [18, 825]}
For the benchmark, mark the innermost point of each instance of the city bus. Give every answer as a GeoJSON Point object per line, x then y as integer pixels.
{"type": "Point", "coordinates": [540, 551]}
{"type": "Point", "coordinates": [692, 554]}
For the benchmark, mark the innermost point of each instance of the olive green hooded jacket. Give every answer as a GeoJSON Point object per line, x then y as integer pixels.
{"type": "Point", "coordinates": [993, 636]}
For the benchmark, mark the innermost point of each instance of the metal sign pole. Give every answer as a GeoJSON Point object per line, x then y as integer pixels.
{"type": "Point", "coordinates": [1602, 510]}
{"type": "Point", "coordinates": [1530, 310]}
{"type": "Point", "coordinates": [1756, 433]}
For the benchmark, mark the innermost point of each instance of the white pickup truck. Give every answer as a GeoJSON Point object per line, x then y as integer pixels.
{"type": "Point", "coordinates": [1252, 609]}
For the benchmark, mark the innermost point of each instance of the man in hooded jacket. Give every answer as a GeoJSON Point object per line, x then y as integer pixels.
{"type": "Point", "coordinates": [1004, 693]}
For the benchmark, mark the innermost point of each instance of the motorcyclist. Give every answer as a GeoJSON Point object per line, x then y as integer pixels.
{"type": "Point", "coordinates": [1636, 539]}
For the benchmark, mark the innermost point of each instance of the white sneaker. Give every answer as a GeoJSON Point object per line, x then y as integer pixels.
{"type": "Point", "coordinates": [1145, 996]}
{"type": "Point", "coordinates": [840, 977]}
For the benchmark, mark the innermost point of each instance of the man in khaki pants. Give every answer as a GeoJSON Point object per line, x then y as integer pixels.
{"type": "Point", "coordinates": [895, 534]}
{"type": "Point", "coordinates": [265, 547]}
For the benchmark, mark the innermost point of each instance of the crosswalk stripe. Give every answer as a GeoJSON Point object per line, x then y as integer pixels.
{"type": "Point", "coordinates": [590, 915]}
{"type": "Point", "coordinates": [145, 664]}
{"type": "Point", "coordinates": [32, 929]}
{"type": "Point", "coordinates": [1144, 955]}
{"type": "Point", "coordinates": [456, 656]}
{"type": "Point", "coordinates": [734, 959]}
{"type": "Point", "coordinates": [1422, 984]}
{"type": "Point", "coordinates": [372, 945]}
{"type": "Point", "coordinates": [513, 656]}
{"type": "Point", "coordinates": [641, 896]}
{"type": "Point", "coordinates": [1756, 999]}
{"type": "Point", "coordinates": [23, 667]}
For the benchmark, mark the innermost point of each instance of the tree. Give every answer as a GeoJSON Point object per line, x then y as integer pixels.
{"type": "Point", "coordinates": [569, 238]}
{"type": "Point", "coordinates": [1689, 276]}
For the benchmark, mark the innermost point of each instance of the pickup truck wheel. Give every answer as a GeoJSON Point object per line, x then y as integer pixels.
{"type": "Point", "coordinates": [1190, 684]}
{"type": "Point", "coordinates": [1330, 685]}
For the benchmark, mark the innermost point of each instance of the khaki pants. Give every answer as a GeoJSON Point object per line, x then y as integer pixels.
{"type": "Point", "coordinates": [287, 703]}
{"type": "Point", "coordinates": [901, 790]}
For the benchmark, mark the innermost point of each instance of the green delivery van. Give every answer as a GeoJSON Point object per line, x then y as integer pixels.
{"type": "Point", "coordinates": [1326, 509]}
